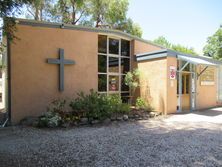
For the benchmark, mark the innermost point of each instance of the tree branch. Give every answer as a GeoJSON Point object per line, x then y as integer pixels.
{"type": "Point", "coordinates": [79, 17]}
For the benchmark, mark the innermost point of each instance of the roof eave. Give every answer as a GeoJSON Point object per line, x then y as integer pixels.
{"type": "Point", "coordinates": [83, 28]}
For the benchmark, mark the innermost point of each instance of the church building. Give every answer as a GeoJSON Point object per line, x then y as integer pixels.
{"type": "Point", "coordinates": [53, 60]}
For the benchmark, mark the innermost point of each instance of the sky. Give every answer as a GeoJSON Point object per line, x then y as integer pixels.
{"type": "Point", "coordinates": [186, 22]}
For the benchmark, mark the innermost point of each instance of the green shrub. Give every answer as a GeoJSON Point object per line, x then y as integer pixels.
{"type": "Point", "coordinates": [124, 108]}
{"type": "Point", "coordinates": [55, 114]}
{"type": "Point", "coordinates": [57, 106]}
{"type": "Point", "coordinates": [141, 103]}
{"type": "Point", "coordinates": [50, 119]}
{"type": "Point", "coordinates": [92, 105]}
{"type": "Point", "coordinates": [98, 106]}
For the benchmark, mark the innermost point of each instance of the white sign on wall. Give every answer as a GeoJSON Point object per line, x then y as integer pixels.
{"type": "Point", "coordinates": [173, 72]}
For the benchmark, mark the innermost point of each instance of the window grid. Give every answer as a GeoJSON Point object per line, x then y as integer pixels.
{"type": "Point", "coordinates": [119, 74]}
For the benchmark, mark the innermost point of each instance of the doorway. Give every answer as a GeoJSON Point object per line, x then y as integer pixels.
{"type": "Point", "coordinates": [185, 95]}
{"type": "Point", "coordinates": [186, 87]}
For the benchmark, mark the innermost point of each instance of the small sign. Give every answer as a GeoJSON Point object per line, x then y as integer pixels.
{"type": "Point", "coordinates": [207, 77]}
{"type": "Point", "coordinates": [172, 72]}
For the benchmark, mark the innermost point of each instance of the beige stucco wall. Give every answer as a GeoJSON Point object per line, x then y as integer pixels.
{"type": "Point", "coordinates": [137, 48]}
{"type": "Point", "coordinates": [207, 94]}
{"type": "Point", "coordinates": [154, 83]}
{"type": "Point", "coordinates": [34, 83]}
{"type": "Point", "coordinates": [171, 87]}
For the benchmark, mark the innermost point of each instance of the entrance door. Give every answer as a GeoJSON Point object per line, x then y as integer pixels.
{"type": "Point", "coordinates": [185, 91]}
{"type": "Point", "coordinates": [187, 95]}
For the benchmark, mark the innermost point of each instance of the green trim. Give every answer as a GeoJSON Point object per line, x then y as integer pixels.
{"type": "Point", "coordinates": [82, 28]}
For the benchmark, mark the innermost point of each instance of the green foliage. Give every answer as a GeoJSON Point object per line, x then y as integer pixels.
{"type": "Point", "coordinates": [57, 106]}
{"type": "Point", "coordinates": [161, 40]}
{"type": "Point", "coordinates": [142, 104]}
{"type": "Point", "coordinates": [92, 105]}
{"type": "Point", "coordinates": [50, 119]}
{"type": "Point", "coordinates": [132, 28]}
{"type": "Point", "coordinates": [165, 43]}
{"type": "Point", "coordinates": [55, 114]}
{"type": "Point", "coordinates": [39, 9]}
{"type": "Point", "coordinates": [213, 48]}
{"type": "Point", "coordinates": [98, 106]}
{"type": "Point", "coordinates": [10, 8]}
{"type": "Point", "coordinates": [132, 79]}
{"type": "Point", "coordinates": [183, 49]}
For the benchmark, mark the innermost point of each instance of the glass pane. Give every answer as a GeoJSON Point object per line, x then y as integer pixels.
{"type": "Point", "coordinates": [102, 83]}
{"type": "Point", "coordinates": [124, 87]}
{"type": "Point", "coordinates": [114, 64]}
{"type": "Point", "coordinates": [125, 48]}
{"type": "Point", "coordinates": [114, 46]}
{"type": "Point", "coordinates": [113, 83]}
{"type": "Point", "coordinates": [183, 83]}
{"type": "Point", "coordinates": [125, 65]}
{"type": "Point", "coordinates": [102, 44]}
{"type": "Point", "coordinates": [187, 68]}
{"type": "Point", "coordinates": [125, 97]}
{"type": "Point", "coordinates": [102, 63]}
{"type": "Point", "coordinates": [187, 84]}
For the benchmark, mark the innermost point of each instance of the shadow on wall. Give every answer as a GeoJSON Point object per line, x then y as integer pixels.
{"type": "Point", "coordinates": [162, 105]}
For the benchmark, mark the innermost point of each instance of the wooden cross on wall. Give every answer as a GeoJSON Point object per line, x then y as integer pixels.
{"type": "Point", "coordinates": [61, 62]}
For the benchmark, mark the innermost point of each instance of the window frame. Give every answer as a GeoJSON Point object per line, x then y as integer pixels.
{"type": "Point", "coordinates": [119, 56]}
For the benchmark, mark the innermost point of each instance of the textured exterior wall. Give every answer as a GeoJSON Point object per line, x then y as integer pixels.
{"type": "Point", "coordinates": [171, 87]}
{"type": "Point", "coordinates": [137, 48]}
{"type": "Point", "coordinates": [207, 94]}
{"type": "Point", "coordinates": [154, 83]}
{"type": "Point", "coordinates": [34, 83]}
{"type": "Point", "coordinates": [141, 47]}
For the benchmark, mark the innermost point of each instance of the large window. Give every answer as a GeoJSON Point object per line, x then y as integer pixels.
{"type": "Point", "coordinates": [113, 64]}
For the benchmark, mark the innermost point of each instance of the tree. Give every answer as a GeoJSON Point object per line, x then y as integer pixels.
{"type": "Point", "coordinates": [112, 14]}
{"type": "Point", "coordinates": [72, 10]}
{"type": "Point", "coordinates": [183, 49]}
{"type": "Point", "coordinates": [9, 8]}
{"type": "Point", "coordinates": [165, 43]}
{"type": "Point", "coordinates": [213, 48]}
{"type": "Point", "coordinates": [132, 28]}
{"type": "Point", "coordinates": [99, 11]}
{"type": "Point", "coordinates": [38, 9]}
{"type": "Point", "coordinates": [161, 40]}
{"type": "Point", "coordinates": [116, 14]}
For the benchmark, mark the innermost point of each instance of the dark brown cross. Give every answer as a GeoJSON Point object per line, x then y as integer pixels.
{"type": "Point", "coordinates": [61, 62]}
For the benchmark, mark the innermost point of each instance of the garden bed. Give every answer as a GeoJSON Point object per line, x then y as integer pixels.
{"type": "Point", "coordinates": [91, 109]}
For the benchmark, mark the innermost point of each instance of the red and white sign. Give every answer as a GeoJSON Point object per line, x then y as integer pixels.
{"type": "Point", "coordinates": [173, 72]}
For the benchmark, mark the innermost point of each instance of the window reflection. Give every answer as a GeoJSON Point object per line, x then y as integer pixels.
{"type": "Point", "coordinates": [113, 46]}
{"type": "Point", "coordinates": [113, 64]}
{"type": "Point", "coordinates": [102, 63]}
{"type": "Point", "coordinates": [125, 65]}
{"type": "Point", "coordinates": [102, 83]}
{"type": "Point", "coordinates": [125, 48]}
{"type": "Point", "coordinates": [102, 44]}
{"type": "Point", "coordinates": [113, 83]}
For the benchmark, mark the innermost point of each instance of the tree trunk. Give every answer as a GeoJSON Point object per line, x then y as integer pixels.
{"type": "Point", "coordinates": [36, 14]}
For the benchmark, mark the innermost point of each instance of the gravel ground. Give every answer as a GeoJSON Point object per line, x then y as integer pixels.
{"type": "Point", "coordinates": [178, 140]}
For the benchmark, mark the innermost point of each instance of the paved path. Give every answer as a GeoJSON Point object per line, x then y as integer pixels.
{"type": "Point", "coordinates": [193, 139]}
